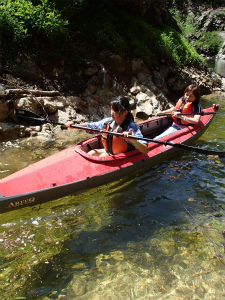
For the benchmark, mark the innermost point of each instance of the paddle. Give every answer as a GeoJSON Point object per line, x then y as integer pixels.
{"type": "Point", "coordinates": [28, 118]}
{"type": "Point", "coordinates": [190, 114]}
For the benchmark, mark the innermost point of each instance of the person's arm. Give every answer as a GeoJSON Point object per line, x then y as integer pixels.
{"type": "Point", "coordinates": [192, 120]}
{"type": "Point", "coordinates": [69, 123]}
{"type": "Point", "coordinates": [92, 125]}
{"type": "Point", "coordinates": [167, 111]}
{"type": "Point", "coordinates": [142, 147]}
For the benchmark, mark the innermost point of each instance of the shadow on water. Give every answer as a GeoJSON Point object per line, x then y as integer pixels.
{"type": "Point", "coordinates": [154, 235]}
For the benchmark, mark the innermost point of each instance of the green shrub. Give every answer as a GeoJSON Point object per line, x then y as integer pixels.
{"type": "Point", "coordinates": [208, 41]}
{"type": "Point", "coordinates": [22, 23]}
{"type": "Point", "coordinates": [80, 29]}
{"type": "Point", "coordinates": [204, 42]}
{"type": "Point", "coordinates": [175, 48]}
{"type": "Point", "coordinates": [140, 39]}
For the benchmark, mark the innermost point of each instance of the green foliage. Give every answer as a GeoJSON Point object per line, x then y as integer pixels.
{"type": "Point", "coordinates": [204, 42]}
{"type": "Point", "coordinates": [24, 18]}
{"type": "Point", "coordinates": [186, 24]}
{"type": "Point", "coordinates": [137, 34]}
{"type": "Point", "coordinates": [79, 29]}
{"type": "Point", "coordinates": [167, 43]}
{"type": "Point", "coordinates": [208, 40]}
{"type": "Point", "coordinates": [23, 23]}
{"type": "Point", "coordinates": [211, 3]}
{"type": "Point", "coordinates": [102, 34]}
{"type": "Point", "coordinates": [130, 35]}
{"type": "Point", "coordinates": [177, 49]}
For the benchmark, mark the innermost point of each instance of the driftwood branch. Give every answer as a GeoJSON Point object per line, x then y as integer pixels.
{"type": "Point", "coordinates": [29, 92]}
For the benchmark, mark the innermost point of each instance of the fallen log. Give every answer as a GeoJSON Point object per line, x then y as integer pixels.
{"type": "Point", "coordinates": [30, 92]}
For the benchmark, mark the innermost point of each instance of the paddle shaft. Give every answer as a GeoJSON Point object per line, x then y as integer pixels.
{"type": "Point", "coordinates": [189, 114]}
{"type": "Point", "coordinates": [42, 120]}
{"type": "Point", "coordinates": [32, 118]}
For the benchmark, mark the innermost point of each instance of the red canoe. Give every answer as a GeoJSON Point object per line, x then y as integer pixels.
{"type": "Point", "coordinates": [73, 170]}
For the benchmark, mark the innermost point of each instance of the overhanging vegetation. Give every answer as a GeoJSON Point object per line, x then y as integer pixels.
{"type": "Point", "coordinates": [75, 30]}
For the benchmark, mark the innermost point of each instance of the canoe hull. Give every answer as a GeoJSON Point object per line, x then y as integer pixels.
{"type": "Point", "coordinates": [73, 171]}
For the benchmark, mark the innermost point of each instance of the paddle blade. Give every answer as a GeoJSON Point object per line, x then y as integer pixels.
{"type": "Point", "coordinates": [28, 118]}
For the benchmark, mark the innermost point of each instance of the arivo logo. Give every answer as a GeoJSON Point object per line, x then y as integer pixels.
{"type": "Point", "coordinates": [22, 202]}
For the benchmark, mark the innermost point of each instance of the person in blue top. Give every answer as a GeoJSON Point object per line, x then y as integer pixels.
{"type": "Point", "coordinates": [121, 121]}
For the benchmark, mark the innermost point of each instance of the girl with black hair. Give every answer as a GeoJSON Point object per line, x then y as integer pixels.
{"type": "Point", "coordinates": [121, 121]}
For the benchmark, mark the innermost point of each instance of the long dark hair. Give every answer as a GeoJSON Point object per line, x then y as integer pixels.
{"type": "Point", "coordinates": [194, 88]}
{"type": "Point", "coordinates": [120, 104]}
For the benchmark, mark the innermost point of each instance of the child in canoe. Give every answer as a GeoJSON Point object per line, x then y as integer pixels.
{"type": "Point", "coordinates": [121, 121]}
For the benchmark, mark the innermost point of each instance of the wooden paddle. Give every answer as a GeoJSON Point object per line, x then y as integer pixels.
{"type": "Point", "coordinates": [28, 118]}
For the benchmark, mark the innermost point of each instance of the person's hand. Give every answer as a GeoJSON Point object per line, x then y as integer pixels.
{"type": "Point", "coordinates": [175, 113]}
{"type": "Point", "coordinates": [140, 146]}
{"type": "Point", "coordinates": [68, 124]}
{"type": "Point", "coordinates": [126, 133]}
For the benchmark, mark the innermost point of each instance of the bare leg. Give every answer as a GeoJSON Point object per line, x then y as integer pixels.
{"type": "Point", "coordinates": [98, 152]}
{"type": "Point", "coordinates": [105, 154]}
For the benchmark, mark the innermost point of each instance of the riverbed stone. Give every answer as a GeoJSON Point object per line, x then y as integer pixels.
{"type": "Point", "coordinates": [28, 70]}
{"type": "Point", "coordinates": [138, 66]}
{"type": "Point", "coordinates": [158, 79]}
{"type": "Point", "coordinates": [52, 104]}
{"type": "Point", "coordinates": [34, 104]}
{"type": "Point", "coordinates": [144, 109]}
{"type": "Point", "coordinates": [2, 89]}
{"type": "Point", "coordinates": [93, 84]}
{"type": "Point", "coordinates": [117, 255]}
{"type": "Point", "coordinates": [172, 296]}
{"type": "Point", "coordinates": [91, 71]}
{"type": "Point", "coordinates": [10, 131]}
{"type": "Point", "coordinates": [4, 111]}
{"type": "Point", "coordinates": [77, 287]}
{"type": "Point", "coordinates": [113, 61]}
{"type": "Point", "coordinates": [184, 291]}
{"type": "Point", "coordinates": [223, 83]}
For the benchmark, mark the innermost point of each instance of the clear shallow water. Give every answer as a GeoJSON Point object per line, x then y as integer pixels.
{"type": "Point", "coordinates": [156, 235]}
{"type": "Point", "coordinates": [218, 65]}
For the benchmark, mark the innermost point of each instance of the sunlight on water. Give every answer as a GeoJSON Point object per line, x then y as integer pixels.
{"type": "Point", "coordinates": [157, 235]}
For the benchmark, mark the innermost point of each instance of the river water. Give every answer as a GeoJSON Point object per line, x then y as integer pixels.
{"type": "Point", "coordinates": [157, 235]}
{"type": "Point", "coordinates": [218, 65]}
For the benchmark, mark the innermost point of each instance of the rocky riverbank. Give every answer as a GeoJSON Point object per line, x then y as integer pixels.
{"type": "Point", "coordinates": [87, 94]}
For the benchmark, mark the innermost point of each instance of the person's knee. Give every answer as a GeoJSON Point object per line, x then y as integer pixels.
{"type": "Point", "coordinates": [93, 152]}
{"type": "Point", "coordinates": [98, 152]}
{"type": "Point", "coordinates": [103, 154]}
